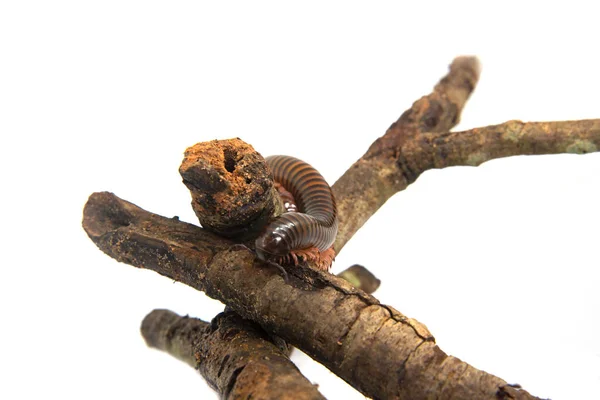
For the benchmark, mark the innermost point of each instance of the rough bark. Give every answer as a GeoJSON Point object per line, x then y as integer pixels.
{"type": "Point", "coordinates": [236, 357]}
{"type": "Point", "coordinates": [427, 150]}
{"type": "Point", "coordinates": [476, 146]}
{"type": "Point", "coordinates": [231, 186]}
{"type": "Point", "coordinates": [373, 347]}
{"type": "Point", "coordinates": [384, 169]}
{"type": "Point", "coordinates": [231, 348]}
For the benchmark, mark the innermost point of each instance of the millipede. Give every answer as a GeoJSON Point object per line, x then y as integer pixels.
{"type": "Point", "coordinates": [308, 229]}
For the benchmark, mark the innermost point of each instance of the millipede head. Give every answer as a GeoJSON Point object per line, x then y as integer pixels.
{"type": "Point", "coordinates": [271, 245]}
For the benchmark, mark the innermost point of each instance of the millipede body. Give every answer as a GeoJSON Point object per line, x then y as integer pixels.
{"type": "Point", "coordinates": [313, 226]}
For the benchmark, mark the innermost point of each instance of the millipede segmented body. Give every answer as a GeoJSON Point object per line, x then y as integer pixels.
{"type": "Point", "coordinates": [313, 226]}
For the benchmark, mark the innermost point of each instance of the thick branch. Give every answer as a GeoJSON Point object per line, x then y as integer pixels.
{"type": "Point", "coordinates": [236, 357]}
{"type": "Point", "coordinates": [375, 348]}
{"type": "Point", "coordinates": [227, 350]}
{"type": "Point", "coordinates": [233, 195]}
{"type": "Point", "coordinates": [383, 170]}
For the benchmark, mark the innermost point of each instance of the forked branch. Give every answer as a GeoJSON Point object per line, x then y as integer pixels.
{"type": "Point", "coordinates": [375, 348]}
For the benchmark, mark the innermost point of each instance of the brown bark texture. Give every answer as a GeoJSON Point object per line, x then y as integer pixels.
{"type": "Point", "coordinates": [384, 170]}
{"type": "Point", "coordinates": [373, 347]}
{"type": "Point", "coordinates": [231, 186]}
{"type": "Point", "coordinates": [236, 357]}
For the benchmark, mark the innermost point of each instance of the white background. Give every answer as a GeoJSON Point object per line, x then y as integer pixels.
{"type": "Point", "coordinates": [500, 262]}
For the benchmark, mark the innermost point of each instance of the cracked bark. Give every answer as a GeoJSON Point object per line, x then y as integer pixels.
{"type": "Point", "coordinates": [236, 356]}
{"type": "Point", "coordinates": [375, 348]}
{"type": "Point", "coordinates": [321, 314]}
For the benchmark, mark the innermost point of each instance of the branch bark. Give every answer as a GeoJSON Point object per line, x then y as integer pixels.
{"type": "Point", "coordinates": [473, 147]}
{"type": "Point", "coordinates": [431, 149]}
{"type": "Point", "coordinates": [361, 278]}
{"type": "Point", "coordinates": [384, 169]}
{"type": "Point", "coordinates": [237, 358]}
{"type": "Point", "coordinates": [231, 186]}
{"type": "Point", "coordinates": [321, 314]}
{"type": "Point", "coordinates": [373, 347]}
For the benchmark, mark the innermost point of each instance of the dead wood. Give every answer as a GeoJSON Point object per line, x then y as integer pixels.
{"type": "Point", "coordinates": [384, 169]}
{"type": "Point", "coordinates": [476, 146]}
{"type": "Point", "coordinates": [321, 314]}
{"type": "Point", "coordinates": [375, 348]}
{"type": "Point", "coordinates": [236, 357]}
{"type": "Point", "coordinates": [231, 186]}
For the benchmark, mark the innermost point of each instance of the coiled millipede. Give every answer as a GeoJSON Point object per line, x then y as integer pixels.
{"type": "Point", "coordinates": [308, 229]}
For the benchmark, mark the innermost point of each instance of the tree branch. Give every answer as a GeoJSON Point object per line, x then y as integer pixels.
{"type": "Point", "coordinates": [383, 170]}
{"type": "Point", "coordinates": [231, 186]}
{"type": "Point", "coordinates": [321, 314]}
{"type": "Point", "coordinates": [236, 357]}
{"type": "Point", "coordinates": [373, 347]}
{"type": "Point", "coordinates": [476, 146]}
